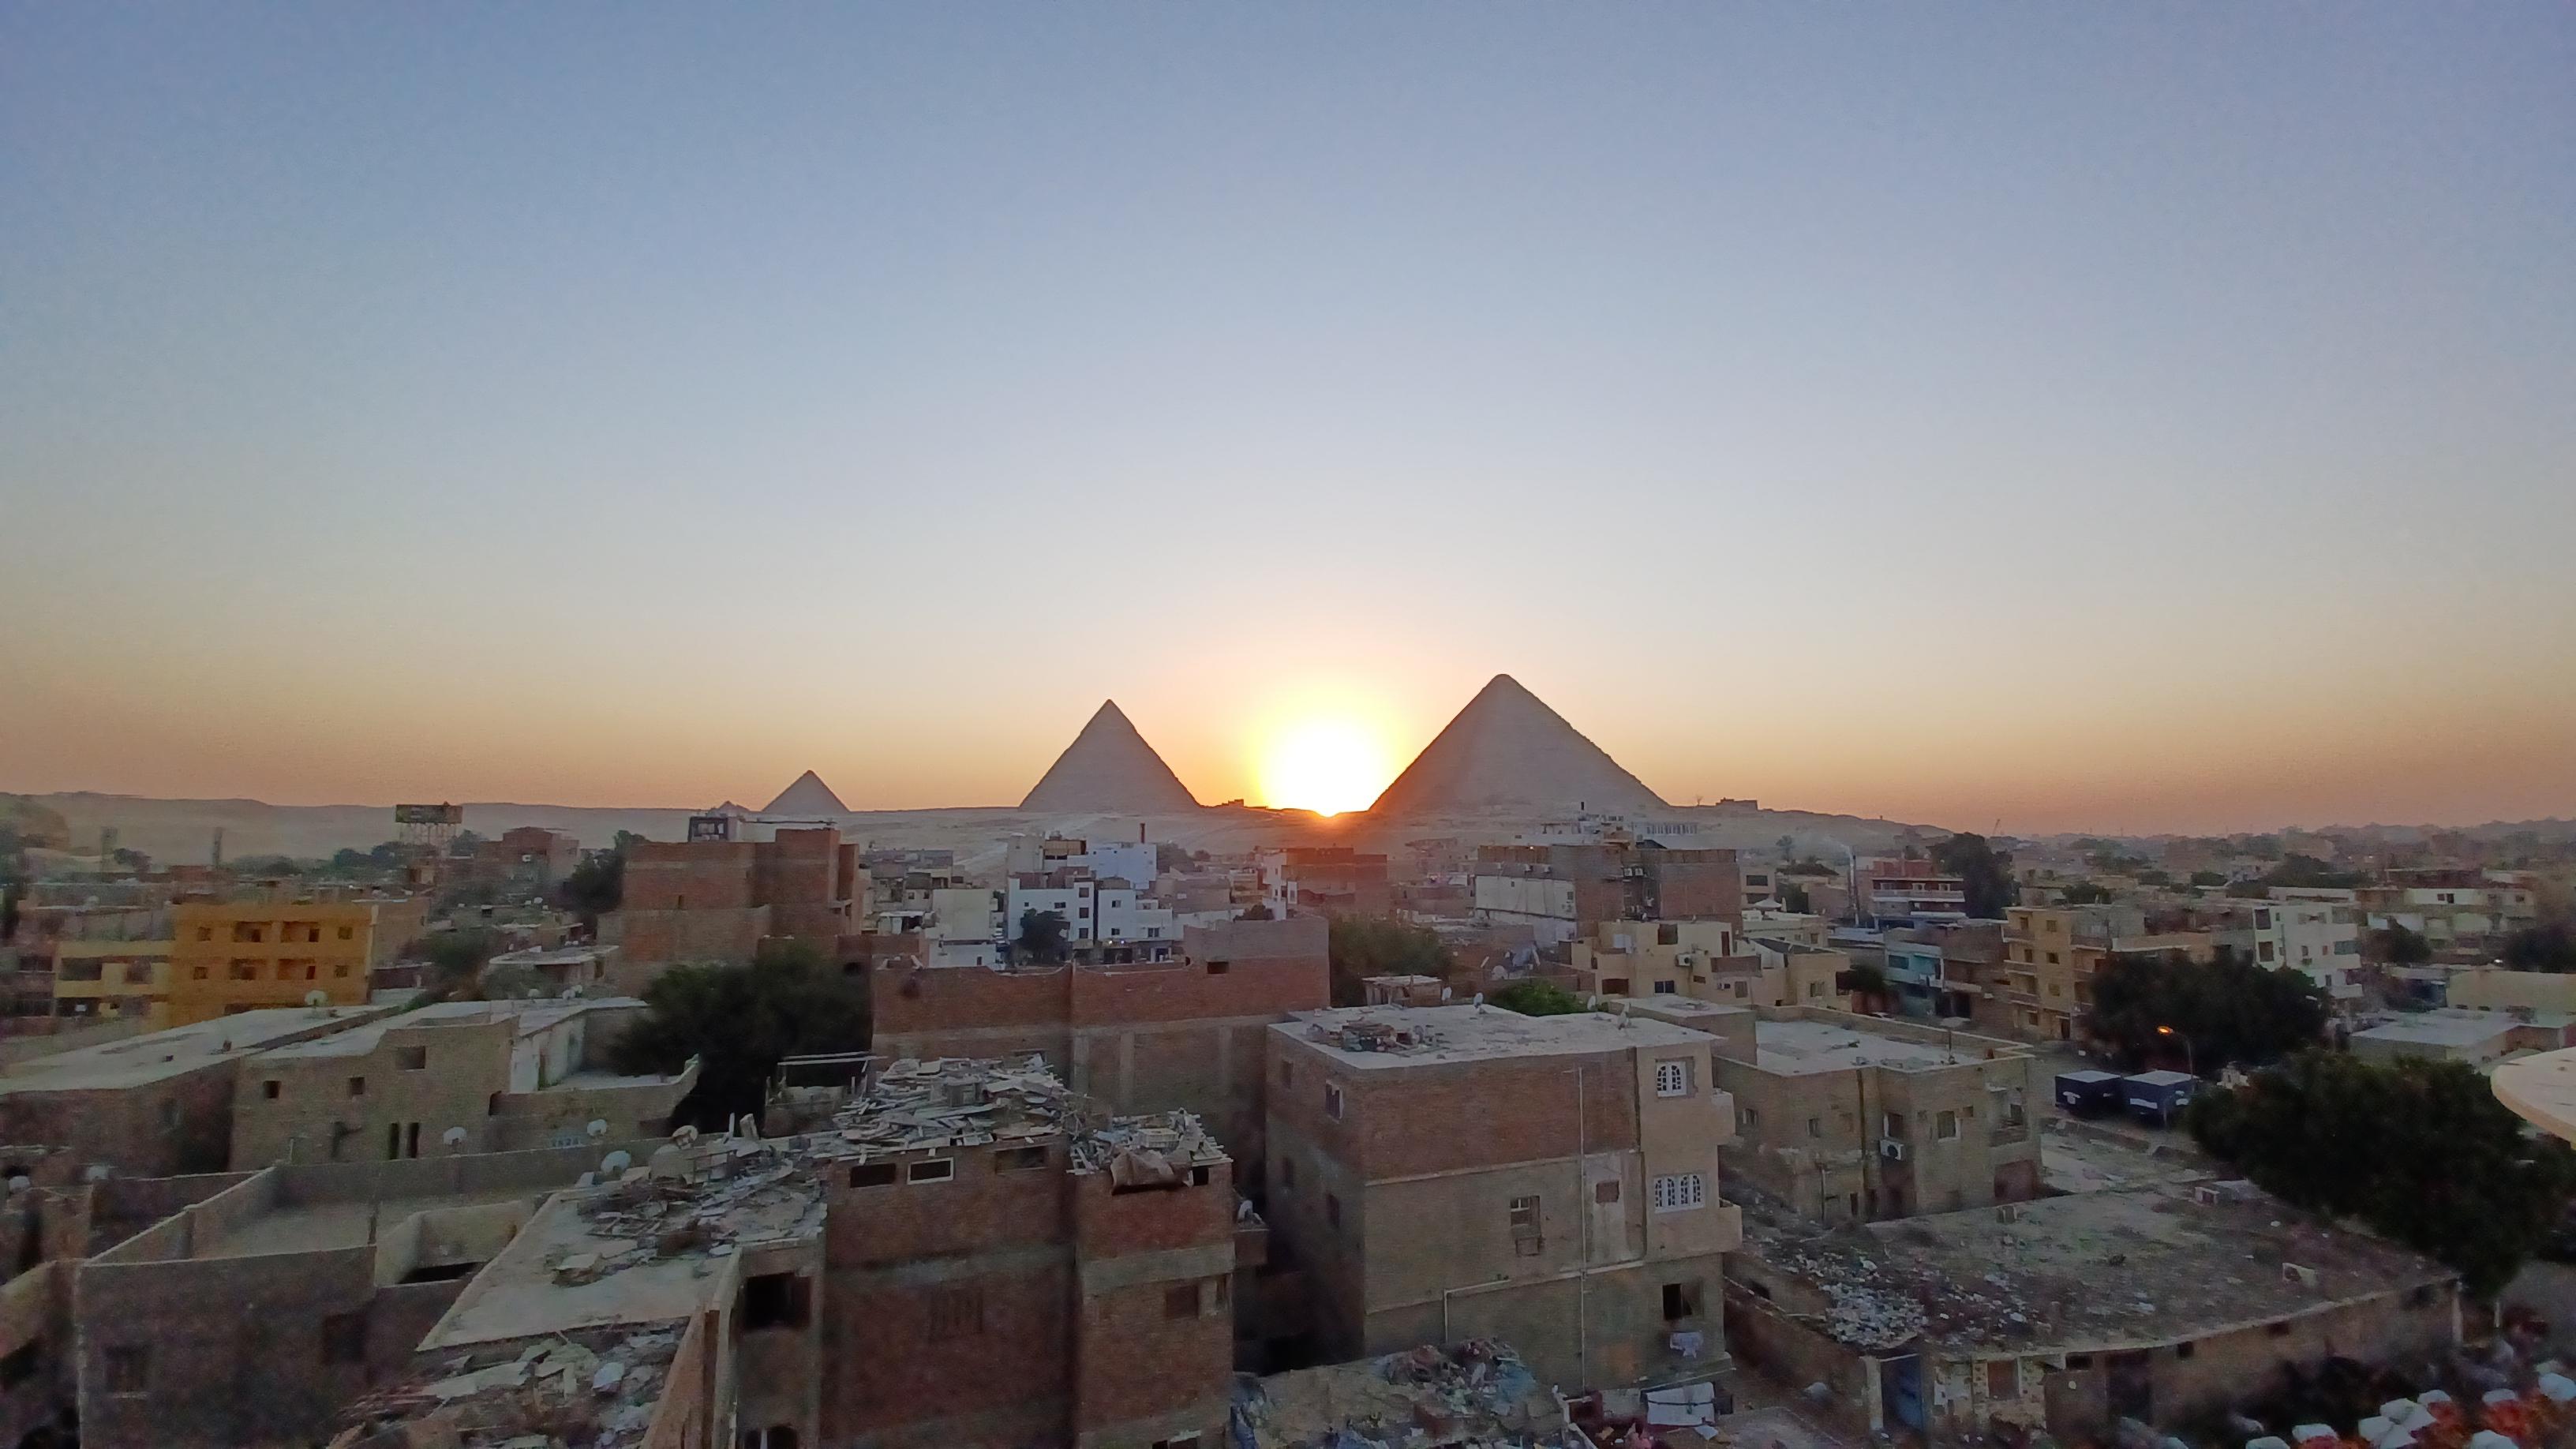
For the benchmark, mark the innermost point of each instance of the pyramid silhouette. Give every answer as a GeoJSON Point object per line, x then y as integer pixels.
{"type": "Point", "coordinates": [808, 797]}
{"type": "Point", "coordinates": [1110, 768]}
{"type": "Point", "coordinates": [1507, 751]}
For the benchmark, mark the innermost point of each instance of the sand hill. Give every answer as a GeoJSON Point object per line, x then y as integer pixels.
{"type": "Point", "coordinates": [1508, 752]}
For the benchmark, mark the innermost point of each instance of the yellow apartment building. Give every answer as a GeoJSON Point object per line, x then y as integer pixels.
{"type": "Point", "coordinates": [109, 980]}
{"type": "Point", "coordinates": [235, 956]}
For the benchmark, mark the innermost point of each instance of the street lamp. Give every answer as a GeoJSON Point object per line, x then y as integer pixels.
{"type": "Point", "coordinates": [2186, 1047]}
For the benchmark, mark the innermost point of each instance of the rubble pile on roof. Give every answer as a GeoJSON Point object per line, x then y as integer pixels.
{"type": "Point", "coordinates": [692, 1203]}
{"type": "Point", "coordinates": [1477, 1393]}
{"type": "Point", "coordinates": [955, 1102]}
{"type": "Point", "coordinates": [2141, 1265]}
{"type": "Point", "coordinates": [1365, 1035]}
{"type": "Point", "coordinates": [549, 1391]}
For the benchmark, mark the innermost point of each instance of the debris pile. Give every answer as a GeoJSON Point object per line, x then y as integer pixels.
{"type": "Point", "coordinates": [954, 1102]}
{"type": "Point", "coordinates": [595, 1389]}
{"type": "Point", "coordinates": [1361, 1034]}
{"type": "Point", "coordinates": [1478, 1393]}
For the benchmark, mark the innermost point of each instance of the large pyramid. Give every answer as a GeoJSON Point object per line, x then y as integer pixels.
{"type": "Point", "coordinates": [1110, 769]}
{"type": "Point", "coordinates": [1508, 752]}
{"type": "Point", "coordinates": [808, 799]}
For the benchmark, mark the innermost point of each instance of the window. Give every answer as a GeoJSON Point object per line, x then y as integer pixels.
{"type": "Point", "coordinates": [1667, 988]}
{"type": "Point", "coordinates": [1606, 1191]}
{"type": "Point", "coordinates": [1945, 1126]}
{"type": "Point", "coordinates": [339, 968]}
{"type": "Point", "coordinates": [1668, 934]}
{"type": "Point", "coordinates": [1680, 1192]}
{"type": "Point", "coordinates": [1526, 1240]}
{"type": "Point", "coordinates": [2183, 1349]}
{"type": "Point", "coordinates": [348, 933]}
{"type": "Point", "coordinates": [1215, 968]}
{"type": "Point", "coordinates": [129, 1368]}
{"type": "Point", "coordinates": [1672, 1078]}
{"type": "Point", "coordinates": [1815, 1126]}
{"type": "Point", "coordinates": [2003, 1378]}
{"type": "Point", "coordinates": [872, 1174]}
{"type": "Point", "coordinates": [776, 1300]}
{"type": "Point", "coordinates": [1891, 1124]}
{"type": "Point", "coordinates": [198, 973]}
{"type": "Point", "coordinates": [936, 1170]}
{"type": "Point", "coordinates": [245, 971]}
{"type": "Point", "coordinates": [272, 1089]}
{"type": "Point", "coordinates": [412, 1058]}
{"type": "Point", "coordinates": [1181, 1300]}
{"type": "Point", "coordinates": [1746, 1118]}
{"type": "Point", "coordinates": [1287, 1074]}
{"type": "Point", "coordinates": [2277, 1330]}
{"type": "Point", "coordinates": [1681, 1300]}
{"type": "Point", "coordinates": [205, 933]}
{"type": "Point", "coordinates": [2052, 958]}
{"type": "Point", "coordinates": [1332, 1101]}
{"type": "Point", "coordinates": [1614, 986]}
{"type": "Point", "coordinates": [1019, 1159]}
{"type": "Point", "coordinates": [344, 1337]}
{"type": "Point", "coordinates": [956, 1313]}
{"type": "Point", "coordinates": [2076, 1361]}
{"type": "Point", "coordinates": [2420, 1296]}
{"type": "Point", "coordinates": [1179, 1441]}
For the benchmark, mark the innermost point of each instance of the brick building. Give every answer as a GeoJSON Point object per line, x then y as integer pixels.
{"type": "Point", "coordinates": [716, 900]}
{"type": "Point", "coordinates": [1565, 891]}
{"type": "Point", "coordinates": [529, 860]}
{"type": "Point", "coordinates": [1857, 1119]}
{"type": "Point", "coordinates": [1323, 880]}
{"type": "Point", "coordinates": [1148, 1037]}
{"type": "Point", "coordinates": [960, 1262]}
{"type": "Point", "coordinates": [507, 1075]}
{"type": "Point", "coordinates": [1442, 1173]}
{"type": "Point", "coordinates": [2164, 1304]}
{"type": "Point", "coordinates": [157, 1104]}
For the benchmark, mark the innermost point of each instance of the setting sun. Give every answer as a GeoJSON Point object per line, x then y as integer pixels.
{"type": "Point", "coordinates": [1324, 764]}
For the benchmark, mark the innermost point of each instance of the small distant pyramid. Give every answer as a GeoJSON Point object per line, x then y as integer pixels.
{"type": "Point", "coordinates": [728, 808]}
{"type": "Point", "coordinates": [1507, 751]}
{"type": "Point", "coordinates": [1110, 769]}
{"type": "Point", "coordinates": [807, 799]}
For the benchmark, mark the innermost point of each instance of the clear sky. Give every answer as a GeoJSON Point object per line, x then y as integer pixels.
{"type": "Point", "coordinates": [2141, 417]}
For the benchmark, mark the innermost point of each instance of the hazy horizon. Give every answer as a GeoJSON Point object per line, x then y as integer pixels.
{"type": "Point", "coordinates": [2130, 421]}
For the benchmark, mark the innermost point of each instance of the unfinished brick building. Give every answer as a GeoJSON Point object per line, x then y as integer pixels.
{"type": "Point", "coordinates": [1564, 891]}
{"type": "Point", "coordinates": [1150, 1037]}
{"type": "Point", "coordinates": [1441, 1173]}
{"type": "Point", "coordinates": [717, 900]}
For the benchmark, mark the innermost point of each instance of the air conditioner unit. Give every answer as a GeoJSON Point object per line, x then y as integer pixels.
{"type": "Point", "coordinates": [2293, 1273]}
{"type": "Point", "coordinates": [1891, 1149]}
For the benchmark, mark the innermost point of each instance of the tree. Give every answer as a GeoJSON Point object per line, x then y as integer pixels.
{"type": "Point", "coordinates": [2310, 873]}
{"type": "Point", "coordinates": [1365, 946]}
{"type": "Point", "coordinates": [2085, 893]}
{"type": "Point", "coordinates": [1041, 937]}
{"type": "Point", "coordinates": [1533, 997]}
{"type": "Point", "coordinates": [2208, 878]}
{"type": "Point", "coordinates": [2550, 946]}
{"type": "Point", "coordinates": [1985, 873]}
{"type": "Point", "coordinates": [2418, 1150]}
{"type": "Point", "coordinates": [2225, 1010]}
{"type": "Point", "coordinates": [1257, 911]}
{"type": "Point", "coordinates": [463, 844]}
{"type": "Point", "coordinates": [2398, 946]}
{"type": "Point", "coordinates": [459, 956]}
{"type": "Point", "coordinates": [1795, 898]}
{"type": "Point", "coordinates": [596, 884]}
{"type": "Point", "coordinates": [739, 1021]}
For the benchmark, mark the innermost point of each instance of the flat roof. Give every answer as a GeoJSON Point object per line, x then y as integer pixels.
{"type": "Point", "coordinates": [530, 1017]}
{"type": "Point", "coordinates": [1391, 1037]}
{"type": "Point", "coordinates": [525, 1390]}
{"type": "Point", "coordinates": [1799, 1048]}
{"type": "Point", "coordinates": [2453, 1026]}
{"type": "Point", "coordinates": [157, 1055]}
{"type": "Point", "coordinates": [637, 1250]}
{"type": "Point", "coordinates": [2103, 1270]}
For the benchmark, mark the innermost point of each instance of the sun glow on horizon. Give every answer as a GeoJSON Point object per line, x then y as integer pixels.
{"type": "Point", "coordinates": [1324, 763]}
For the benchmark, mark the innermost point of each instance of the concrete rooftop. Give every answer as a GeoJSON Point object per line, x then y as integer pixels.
{"type": "Point", "coordinates": [1798, 1048]}
{"type": "Point", "coordinates": [155, 1055]}
{"type": "Point", "coordinates": [2455, 1027]}
{"type": "Point", "coordinates": [1414, 1036]}
{"type": "Point", "coordinates": [530, 1017]}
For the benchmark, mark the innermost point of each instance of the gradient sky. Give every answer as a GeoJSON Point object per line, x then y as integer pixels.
{"type": "Point", "coordinates": [2141, 418]}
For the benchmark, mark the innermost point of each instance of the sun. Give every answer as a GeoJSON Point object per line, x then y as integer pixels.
{"type": "Point", "coordinates": [1324, 763]}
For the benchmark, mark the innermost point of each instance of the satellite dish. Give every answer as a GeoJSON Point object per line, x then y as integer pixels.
{"type": "Point", "coordinates": [317, 999]}
{"type": "Point", "coordinates": [616, 1162]}
{"type": "Point", "coordinates": [1444, 994]}
{"type": "Point", "coordinates": [597, 1129]}
{"type": "Point", "coordinates": [95, 1172]}
{"type": "Point", "coordinates": [685, 1135]}
{"type": "Point", "coordinates": [1480, 1001]}
{"type": "Point", "coordinates": [20, 1182]}
{"type": "Point", "coordinates": [453, 1136]}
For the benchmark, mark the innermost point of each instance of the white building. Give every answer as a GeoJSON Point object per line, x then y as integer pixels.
{"type": "Point", "coordinates": [2319, 932]}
